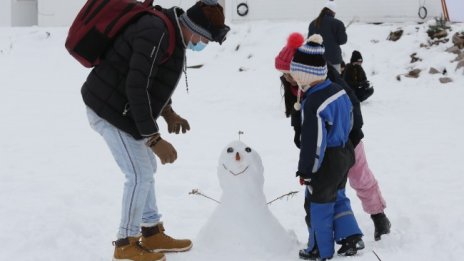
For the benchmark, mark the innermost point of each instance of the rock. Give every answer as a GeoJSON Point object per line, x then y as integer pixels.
{"type": "Point", "coordinates": [437, 34]}
{"type": "Point", "coordinates": [438, 41]}
{"type": "Point", "coordinates": [423, 45]}
{"type": "Point", "coordinates": [413, 73]}
{"type": "Point", "coordinates": [414, 58]}
{"type": "Point", "coordinates": [460, 65]}
{"type": "Point", "coordinates": [434, 71]}
{"type": "Point", "coordinates": [445, 80]}
{"type": "Point", "coordinates": [458, 40]}
{"type": "Point", "coordinates": [395, 36]}
{"type": "Point", "coordinates": [459, 57]}
{"type": "Point", "coordinates": [398, 77]}
{"type": "Point", "coordinates": [454, 49]}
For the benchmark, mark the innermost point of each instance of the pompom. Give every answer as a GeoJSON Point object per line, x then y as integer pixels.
{"type": "Point", "coordinates": [297, 106]}
{"type": "Point", "coordinates": [295, 40]}
{"type": "Point", "coordinates": [315, 38]}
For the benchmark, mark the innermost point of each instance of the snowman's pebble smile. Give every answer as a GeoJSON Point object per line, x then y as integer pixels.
{"type": "Point", "coordinates": [235, 174]}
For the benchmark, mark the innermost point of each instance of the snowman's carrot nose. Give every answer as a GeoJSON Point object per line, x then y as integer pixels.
{"type": "Point", "coordinates": [237, 156]}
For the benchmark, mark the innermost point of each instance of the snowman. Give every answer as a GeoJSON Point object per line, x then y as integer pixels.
{"type": "Point", "coordinates": [242, 224]}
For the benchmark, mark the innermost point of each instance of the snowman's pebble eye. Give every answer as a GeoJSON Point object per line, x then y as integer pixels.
{"type": "Point", "coordinates": [247, 149]}
{"type": "Point", "coordinates": [230, 150]}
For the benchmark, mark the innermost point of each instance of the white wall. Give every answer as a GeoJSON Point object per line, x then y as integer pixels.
{"type": "Point", "coordinates": [58, 12]}
{"type": "Point", "coordinates": [359, 10]}
{"type": "Point", "coordinates": [5, 13]}
{"type": "Point", "coordinates": [62, 12]}
{"type": "Point", "coordinates": [23, 12]}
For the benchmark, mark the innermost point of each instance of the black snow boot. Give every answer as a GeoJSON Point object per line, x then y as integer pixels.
{"type": "Point", "coordinates": [311, 255]}
{"type": "Point", "coordinates": [382, 225]}
{"type": "Point", "coordinates": [351, 245]}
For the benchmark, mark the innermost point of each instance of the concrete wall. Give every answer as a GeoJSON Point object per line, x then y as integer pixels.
{"type": "Point", "coordinates": [62, 12]}
{"type": "Point", "coordinates": [24, 12]}
{"type": "Point", "coordinates": [18, 12]}
{"type": "Point", "coordinates": [5, 12]}
{"type": "Point", "coordinates": [58, 12]}
{"type": "Point", "coordinates": [358, 10]}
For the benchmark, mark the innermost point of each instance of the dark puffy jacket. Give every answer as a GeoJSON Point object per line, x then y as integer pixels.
{"type": "Point", "coordinates": [131, 85]}
{"type": "Point", "coordinates": [354, 74]}
{"type": "Point", "coordinates": [333, 33]}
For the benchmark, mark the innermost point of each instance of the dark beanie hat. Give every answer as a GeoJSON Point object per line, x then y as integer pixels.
{"type": "Point", "coordinates": [356, 57]}
{"type": "Point", "coordinates": [206, 18]}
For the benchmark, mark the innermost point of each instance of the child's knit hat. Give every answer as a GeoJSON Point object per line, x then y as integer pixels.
{"type": "Point", "coordinates": [308, 64]}
{"type": "Point", "coordinates": [356, 57]}
{"type": "Point", "coordinates": [285, 56]}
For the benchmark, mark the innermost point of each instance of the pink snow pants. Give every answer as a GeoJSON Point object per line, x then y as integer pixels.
{"type": "Point", "coordinates": [364, 183]}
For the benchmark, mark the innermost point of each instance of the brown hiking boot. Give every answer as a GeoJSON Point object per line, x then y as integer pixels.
{"type": "Point", "coordinates": [129, 249]}
{"type": "Point", "coordinates": [154, 239]}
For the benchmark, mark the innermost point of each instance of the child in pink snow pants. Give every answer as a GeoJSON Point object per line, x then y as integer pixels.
{"type": "Point", "coordinates": [364, 183]}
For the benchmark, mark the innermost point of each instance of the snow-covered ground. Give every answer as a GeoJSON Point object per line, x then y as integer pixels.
{"type": "Point", "coordinates": [60, 190]}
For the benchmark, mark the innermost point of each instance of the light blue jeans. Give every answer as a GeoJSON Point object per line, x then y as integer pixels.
{"type": "Point", "coordinates": [138, 164]}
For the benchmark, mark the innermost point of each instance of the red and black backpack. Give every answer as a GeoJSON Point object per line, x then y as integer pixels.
{"type": "Point", "coordinates": [99, 22]}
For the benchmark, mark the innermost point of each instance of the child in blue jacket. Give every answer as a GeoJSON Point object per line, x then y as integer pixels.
{"type": "Point", "coordinates": [326, 154]}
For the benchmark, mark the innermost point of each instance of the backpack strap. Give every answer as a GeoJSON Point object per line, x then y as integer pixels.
{"type": "Point", "coordinates": [171, 31]}
{"type": "Point", "coordinates": [147, 3]}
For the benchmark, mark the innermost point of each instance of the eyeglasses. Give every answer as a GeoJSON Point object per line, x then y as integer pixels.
{"type": "Point", "coordinates": [219, 35]}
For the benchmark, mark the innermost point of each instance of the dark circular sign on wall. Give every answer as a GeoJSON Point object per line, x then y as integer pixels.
{"type": "Point", "coordinates": [242, 9]}
{"type": "Point", "coordinates": [422, 12]}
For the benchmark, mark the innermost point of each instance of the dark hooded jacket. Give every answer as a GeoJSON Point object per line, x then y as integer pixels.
{"type": "Point", "coordinates": [133, 83]}
{"type": "Point", "coordinates": [333, 33]}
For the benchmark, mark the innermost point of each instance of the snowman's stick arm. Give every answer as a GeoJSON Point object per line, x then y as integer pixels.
{"type": "Point", "coordinates": [197, 192]}
{"type": "Point", "coordinates": [289, 194]}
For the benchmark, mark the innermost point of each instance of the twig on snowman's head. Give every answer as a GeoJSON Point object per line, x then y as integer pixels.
{"type": "Point", "coordinates": [198, 193]}
{"type": "Point", "coordinates": [289, 194]}
{"type": "Point", "coordinates": [240, 133]}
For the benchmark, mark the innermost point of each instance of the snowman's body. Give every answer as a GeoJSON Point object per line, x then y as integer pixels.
{"type": "Point", "coordinates": [243, 223]}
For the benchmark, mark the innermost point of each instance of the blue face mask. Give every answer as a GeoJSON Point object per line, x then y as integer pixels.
{"type": "Point", "coordinates": [196, 47]}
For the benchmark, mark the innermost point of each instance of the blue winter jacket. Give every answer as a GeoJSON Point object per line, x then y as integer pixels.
{"type": "Point", "coordinates": [326, 123]}
{"type": "Point", "coordinates": [333, 33]}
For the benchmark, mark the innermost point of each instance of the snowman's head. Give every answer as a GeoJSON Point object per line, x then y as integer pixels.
{"type": "Point", "coordinates": [240, 168]}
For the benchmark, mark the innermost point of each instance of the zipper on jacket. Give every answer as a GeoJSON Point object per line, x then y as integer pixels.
{"type": "Point", "coordinates": [126, 109]}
